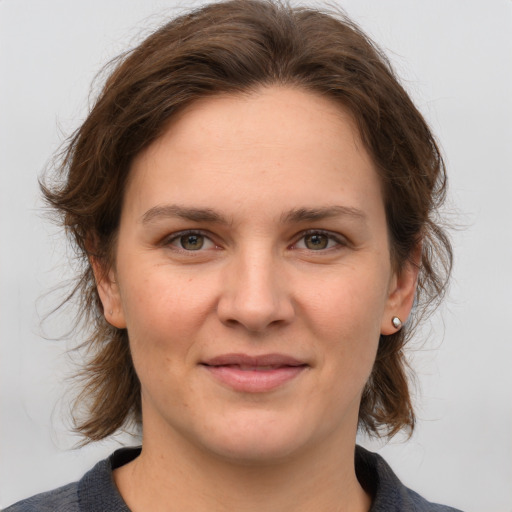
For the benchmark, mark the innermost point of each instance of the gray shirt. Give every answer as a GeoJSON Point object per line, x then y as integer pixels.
{"type": "Point", "coordinates": [96, 491]}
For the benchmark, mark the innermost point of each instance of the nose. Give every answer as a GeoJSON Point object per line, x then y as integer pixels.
{"type": "Point", "coordinates": [255, 294]}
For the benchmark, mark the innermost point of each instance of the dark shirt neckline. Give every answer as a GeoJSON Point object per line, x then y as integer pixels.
{"type": "Point", "coordinates": [97, 490]}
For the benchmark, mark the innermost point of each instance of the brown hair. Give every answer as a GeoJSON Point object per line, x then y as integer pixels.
{"type": "Point", "coordinates": [231, 47]}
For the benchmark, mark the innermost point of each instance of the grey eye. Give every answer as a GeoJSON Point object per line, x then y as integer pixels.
{"type": "Point", "coordinates": [192, 242]}
{"type": "Point", "coordinates": [316, 241]}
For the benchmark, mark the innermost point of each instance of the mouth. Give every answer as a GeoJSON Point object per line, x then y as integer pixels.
{"type": "Point", "coordinates": [254, 374]}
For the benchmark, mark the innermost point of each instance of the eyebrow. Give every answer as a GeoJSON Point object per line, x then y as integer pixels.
{"type": "Point", "coordinates": [192, 214]}
{"type": "Point", "coordinates": [314, 214]}
{"type": "Point", "coordinates": [211, 216]}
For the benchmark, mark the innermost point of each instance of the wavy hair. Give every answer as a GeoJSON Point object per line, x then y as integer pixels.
{"type": "Point", "coordinates": [234, 47]}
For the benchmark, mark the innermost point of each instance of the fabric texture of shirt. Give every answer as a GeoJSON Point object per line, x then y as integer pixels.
{"type": "Point", "coordinates": [97, 492]}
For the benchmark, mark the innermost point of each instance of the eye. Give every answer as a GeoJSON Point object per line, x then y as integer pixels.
{"type": "Point", "coordinates": [191, 241]}
{"type": "Point", "coordinates": [318, 241]}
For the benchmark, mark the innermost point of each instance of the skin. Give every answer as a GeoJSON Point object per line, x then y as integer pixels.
{"type": "Point", "coordinates": [268, 278]}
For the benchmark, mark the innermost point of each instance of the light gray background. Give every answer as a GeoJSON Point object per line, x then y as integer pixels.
{"type": "Point", "coordinates": [455, 57]}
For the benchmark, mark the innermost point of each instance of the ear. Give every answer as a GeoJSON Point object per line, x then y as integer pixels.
{"type": "Point", "coordinates": [108, 290]}
{"type": "Point", "coordinates": [401, 295]}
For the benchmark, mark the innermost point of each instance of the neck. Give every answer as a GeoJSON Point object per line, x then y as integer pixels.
{"type": "Point", "coordinates": [170, 476]}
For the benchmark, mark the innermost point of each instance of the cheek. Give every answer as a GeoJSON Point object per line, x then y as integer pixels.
{"type": "Point", "coordinates": [346, 317]}
{"type": "Point", "coordinates": [349, 302]}
{"type": "Point", "coordinates": [164, 311]}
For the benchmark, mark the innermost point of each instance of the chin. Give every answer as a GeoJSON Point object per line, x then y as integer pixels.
{"type": "Point", "coordinates": [257, 440]}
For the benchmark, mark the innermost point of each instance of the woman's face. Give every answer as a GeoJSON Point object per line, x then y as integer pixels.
{"type": "Point", "coordinates": [253, 275]}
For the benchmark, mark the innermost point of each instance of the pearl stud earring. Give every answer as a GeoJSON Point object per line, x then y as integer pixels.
{"type": "Point", "coordinates": [397, 323]}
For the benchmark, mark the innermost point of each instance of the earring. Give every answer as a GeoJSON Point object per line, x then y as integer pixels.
{"type": "Point", "coordinates": [397, 323]}
{"type": "Point", "coordinates": [110, 312]}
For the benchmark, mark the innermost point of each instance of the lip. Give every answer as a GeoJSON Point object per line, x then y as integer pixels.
{"type": "Point", "coordinates": [254, 374]}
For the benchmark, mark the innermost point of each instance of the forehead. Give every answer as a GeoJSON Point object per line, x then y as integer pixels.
{"type": "Point", "coordinates": [286, 144]}
{"type": "Point", "coordinates": [293, 118]}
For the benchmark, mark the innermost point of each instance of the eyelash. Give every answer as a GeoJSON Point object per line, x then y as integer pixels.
{"type": "Point", "coordinates": [331, 237]}
{"type": "Point", "coordinates": [175, 237]}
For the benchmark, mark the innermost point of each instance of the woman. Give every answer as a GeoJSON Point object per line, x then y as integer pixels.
{"type": "Point", "coordinates": [252, 195]}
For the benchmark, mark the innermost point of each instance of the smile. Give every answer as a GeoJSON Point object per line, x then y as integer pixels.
{"type": "Point", "coordinates": [254, 374]}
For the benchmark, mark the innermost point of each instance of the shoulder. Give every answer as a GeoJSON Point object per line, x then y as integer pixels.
{"type": "Point", "coordinates": [94, 492]}
{"type": "Point", "coordinates": [62, 499]}
{"type": "Point", "coordinates": [388, 493]}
